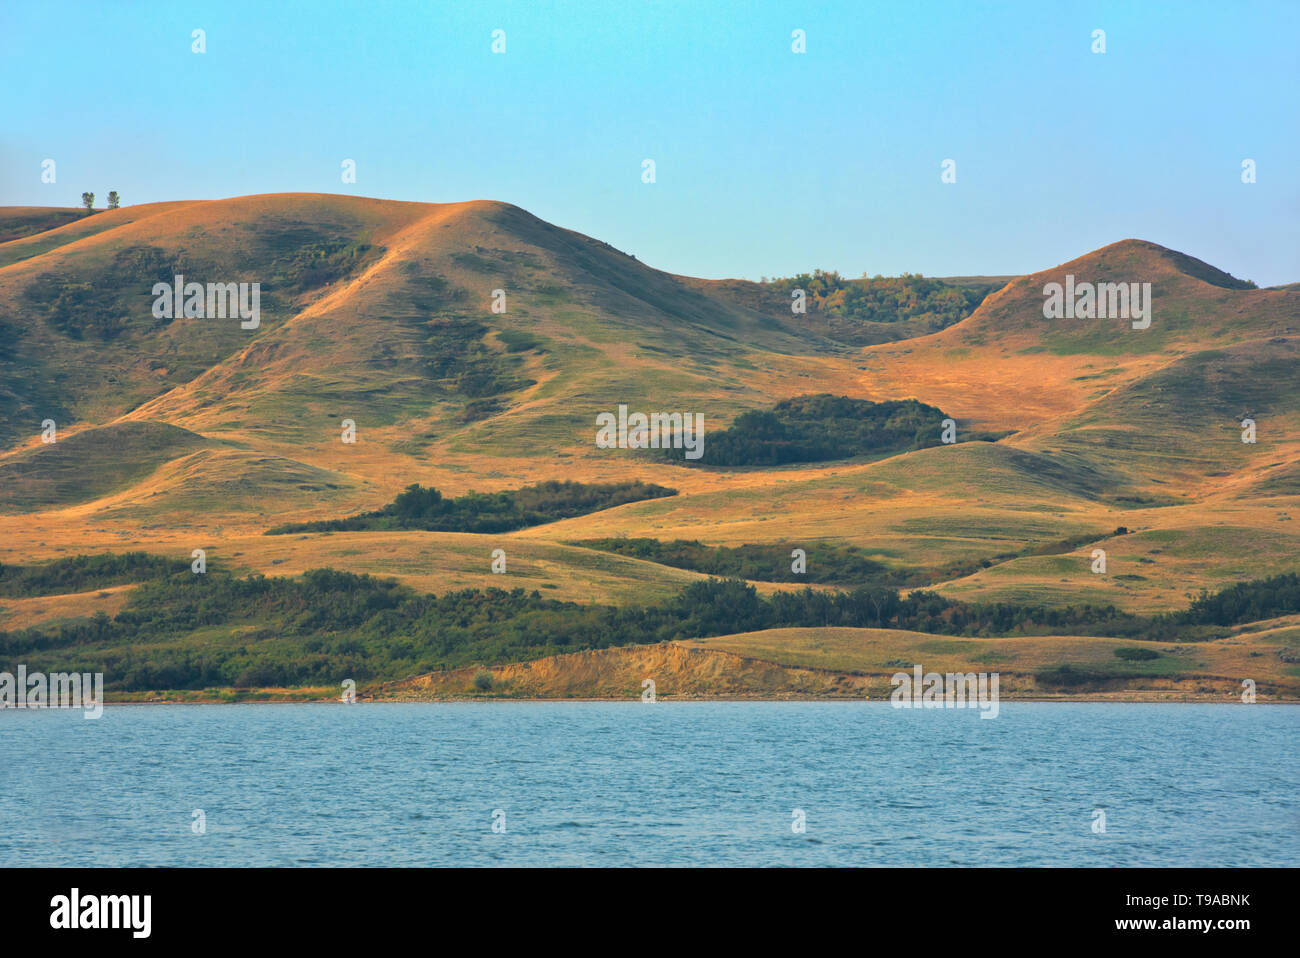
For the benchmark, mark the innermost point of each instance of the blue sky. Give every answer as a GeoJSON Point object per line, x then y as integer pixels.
{"type": "Point", "coordinates": [767, 162]}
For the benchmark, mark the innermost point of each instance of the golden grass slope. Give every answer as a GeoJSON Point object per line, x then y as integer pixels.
{"type": "Point", "coordinates": [1111, 426]}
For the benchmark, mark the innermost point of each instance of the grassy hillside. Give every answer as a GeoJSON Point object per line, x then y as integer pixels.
{"type": "Point", "coordinates": [91, 464]}
{"type": "Point", "coordinates": [190, 433]}
{"type": "Point", "coordinates": [17, 222]}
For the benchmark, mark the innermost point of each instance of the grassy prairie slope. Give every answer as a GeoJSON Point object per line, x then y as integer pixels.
{"type": "Point", "coordinates": [27, 231]}
{"type": "Point", "coordinates": [196, 433]}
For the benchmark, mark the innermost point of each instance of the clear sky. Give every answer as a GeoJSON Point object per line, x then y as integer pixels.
{"type": "Point", "coordinates": [768, 162]}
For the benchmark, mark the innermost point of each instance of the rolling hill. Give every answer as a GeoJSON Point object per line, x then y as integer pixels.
{"type": "Point", "coordinates": [184, 433]}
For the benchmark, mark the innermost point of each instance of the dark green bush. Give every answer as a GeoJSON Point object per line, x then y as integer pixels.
{"type": "Point", "coordinates": [1134, 654]}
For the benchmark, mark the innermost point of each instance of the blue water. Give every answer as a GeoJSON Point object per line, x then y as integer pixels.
{"type": "Point", "coordinates": [651, 784]}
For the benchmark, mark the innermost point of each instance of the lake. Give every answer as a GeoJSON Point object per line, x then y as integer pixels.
{"type": "Point", "coordinates": [689, 783]}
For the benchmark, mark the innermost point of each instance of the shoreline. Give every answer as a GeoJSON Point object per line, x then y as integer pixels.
{"type": "Point", "coordinates": [664, 699]}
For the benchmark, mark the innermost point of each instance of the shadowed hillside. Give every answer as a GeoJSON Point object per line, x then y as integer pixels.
{"type": "Point", "coordinates": [17, 222]}
{"type": "Point", "coordinates": [92, 463]}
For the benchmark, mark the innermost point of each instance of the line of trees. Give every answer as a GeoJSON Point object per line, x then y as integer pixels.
{"type": "Point", "coordinates": [88, 201]}
{"type": "Point", "coordinates": [426, 508]}
{"type": "Point", "coordinates": [85, 572]}
{"type": "Point", "coordinates": [819, 428]}
{"type": "Point", "coordinates": [185, 631]}
{"type": "Point", "coordinates": [827, 562]}
{"type": "Point", "coordinates": [886, 299]}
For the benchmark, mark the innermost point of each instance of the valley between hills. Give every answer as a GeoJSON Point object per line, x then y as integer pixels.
{"type": "Point", "coordinates": [184, 434]}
